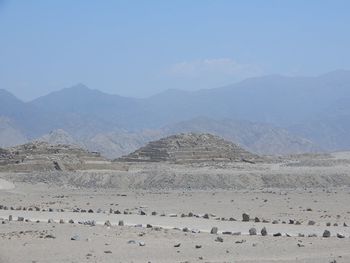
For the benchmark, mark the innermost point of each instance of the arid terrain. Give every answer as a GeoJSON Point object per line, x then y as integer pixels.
{"type": "Point", "coordinates": [180, 199]}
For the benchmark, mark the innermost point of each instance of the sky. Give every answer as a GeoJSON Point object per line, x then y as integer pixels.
{"type": "Point", "coordinates": [140, 48]}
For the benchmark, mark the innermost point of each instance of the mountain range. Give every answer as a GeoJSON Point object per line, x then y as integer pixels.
{"type": "Point", "coordinates": [271, 115]}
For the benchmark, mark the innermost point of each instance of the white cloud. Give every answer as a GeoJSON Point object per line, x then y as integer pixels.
{"type": "Point", "coordinates": [214, 68]}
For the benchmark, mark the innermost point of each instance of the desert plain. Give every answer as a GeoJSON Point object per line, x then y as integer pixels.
{"type": "Point", "coordinates": [286, 209]}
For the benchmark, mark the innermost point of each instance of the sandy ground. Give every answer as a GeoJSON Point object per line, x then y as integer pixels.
{"type": "Point", "coordinates": [31, 241]}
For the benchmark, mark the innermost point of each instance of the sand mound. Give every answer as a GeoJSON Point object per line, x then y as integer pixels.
{"type": "Point", "coordinates": [190, 148]}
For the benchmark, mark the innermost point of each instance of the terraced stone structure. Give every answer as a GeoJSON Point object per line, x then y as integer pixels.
{"type": "Point", "coordinates": [41, 156]}
{"type": "Point", "coordinates": [190, 148]}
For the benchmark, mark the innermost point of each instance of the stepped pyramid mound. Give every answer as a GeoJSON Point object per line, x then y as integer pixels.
{"type": "Point", "coordinates": [188, 148]}
{"type": "Point", "coordinates": [41, 156]}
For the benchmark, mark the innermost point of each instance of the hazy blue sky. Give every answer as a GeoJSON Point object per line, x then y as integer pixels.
{"type": "Point", "coordinates": [138, 48]}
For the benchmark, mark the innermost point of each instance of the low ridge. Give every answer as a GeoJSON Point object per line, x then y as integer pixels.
{"type": "Point", "coordinates": [188, 148]}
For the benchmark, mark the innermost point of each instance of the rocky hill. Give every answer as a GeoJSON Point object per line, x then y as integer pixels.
{"type": "Point", "coordinates": [190, 148]}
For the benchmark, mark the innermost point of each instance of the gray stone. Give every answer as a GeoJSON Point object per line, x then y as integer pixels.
{"type": "Point", "coordinates": [263, 231]}
{"type": "Point", "coordinates": [143, 213]}
{"type": "Point", "coordinates": [326, 233]}
{"type": "Point", "coordinates": [108, 223]}
{"type": "Point", "coordinates": [340, 235]}
{"type": "Point", "coordinates": [142, 244]}
{"type": "Point", "coordinates": [214, 230]}
{"type": "Point", "coordinates": [75, 238]}
{"type": "Point", "coordinates": [245, 217]}
{"type": "Point", "coordinates": [311, 223]}
{"type": "Point", "coordinates": [219, 239]}
{"type": "Point", "coordinates": [252, 231]}
{"type": "Point", "coordinates": [121, 223]}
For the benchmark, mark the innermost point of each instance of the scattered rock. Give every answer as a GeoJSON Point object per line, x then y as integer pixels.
{"type": "Point", "coordinates": [121, 223]}
{"type": "Point", "coordinates": [252, 231]}
{"type": "Point", "coordinates": [245, 217]}
{"type": "Point", "coordinates": [177, 245]}
{"type": "Point", "coordinates": [340, 235]}
{"type": "Point", "coordinates": [311, 223]}
{"type": "Point", "coordinates": [214, 230]}
{"type": "Point", "coordinates": [108, 223]}
{"type": "Point", "coordinates": [185, 229]}
{"type": "Point", "coordinates": [326, 233]}
{"type": "Point", "coordinates": [263, 231]}
{"type": "Point", "coordinates": [75, 238]}
{"type": "Point", "coordinates": [277, 234]}
{"type": "Point", "coordinates": [219, 239]}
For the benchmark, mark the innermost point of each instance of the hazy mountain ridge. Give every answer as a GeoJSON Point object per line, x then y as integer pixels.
{"type": "Point", "coordinates": [283, 115]}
